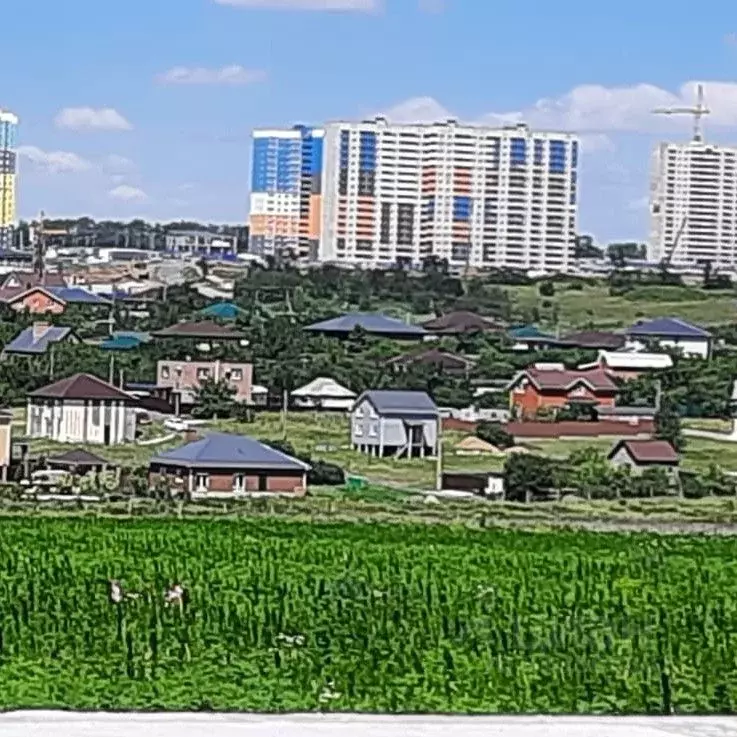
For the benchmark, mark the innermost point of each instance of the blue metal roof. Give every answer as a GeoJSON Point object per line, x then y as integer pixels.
{"type": "Point", "coordinates": [529, 332]}
{"type": "Point", "coordinates": [77, 295]}
{"type": "Point", "coordinates": [120, 343]}
{"type": "Point", "coordinates": [398, 402]}
{"type": "Point", "coordinates": [222, 311]}
{"type": "Point", "coordinates": [24, 342]}
{"type": "Point", "coordinates": [668, 327]}
{"type": "Point", "coordinates": [369, 322]}
{"type": "Point", "coordinates": [222, 450]}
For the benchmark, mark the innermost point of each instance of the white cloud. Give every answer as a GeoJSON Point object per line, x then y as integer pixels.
{"type": "Point", "coordinates": [356, 6]}
{"type": "Point", "coordinates": [595, 108]}
{"type": "Point", "coordinates": [229, 75]}
{"type": "Point", "coordinates": [55, 162]}
{"type": "Point", "coordinates": [127, 193]}
{"type": "Point", "coordinates": [87, 118]}
{"type": "Point", "coordinates": [595, 142]}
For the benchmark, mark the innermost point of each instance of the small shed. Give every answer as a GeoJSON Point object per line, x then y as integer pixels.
{"type": "Point", "coordinates": [80, 462]}
{"type": "Point", "coordinates": [485, 483]}
{"type": "Point", "coordinates": [326, 394]}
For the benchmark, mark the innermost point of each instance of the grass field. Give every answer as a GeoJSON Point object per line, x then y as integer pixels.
{"type": "Point", "coordinates": [284, 616]}
{"type": "Point", "coordinates": [593, 305]}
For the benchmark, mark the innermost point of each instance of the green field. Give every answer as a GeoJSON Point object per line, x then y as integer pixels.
{"type": "Point", "coordinates": [288, 616]}
{"type": "Point", "coordinates": [594, 306]}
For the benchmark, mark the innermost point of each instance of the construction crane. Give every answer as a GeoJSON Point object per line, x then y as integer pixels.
{"type": "Point", "coordinates": [39, 248]}
{"type": "Point", "coordinates": [698, 112]}
{"type": "Point", "coordinates": [668, 257]}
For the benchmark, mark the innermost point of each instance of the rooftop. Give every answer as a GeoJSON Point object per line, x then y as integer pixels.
{"type": "Point", "coordinates": [398, 402]}
{"type": "Point", "coordinates": [648, 451]}
{"type": "Point", "coordinates": [223, 450]}
{"type": "Point", "coordinates": [200, 329]}
{"type": "Point", "coordinates": [668, 327]}
{"type": "Point", "coordinates": [531, 333]}
{"type": "Point", "coordinates": [37, 339]}
{"type": "Point", "coordinates": [324, 387]}
{"type": "Point", "coordinates": [78, 457]}
{"type": "Point", "coordinates": [557, 379]}
{"type": "Point", "coordinates": [594, 339]}
{"type": "Point", "coordinates": [82, 386]}
{"type": "Point", "coordinates": [222, 311]}
{"type": "Point", "coordinates": [369, 323]}
{"type": "Point", "coordinates": [635, 361]}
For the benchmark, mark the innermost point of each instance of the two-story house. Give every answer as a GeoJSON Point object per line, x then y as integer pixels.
{"type": "Point", "coordinates": [185, 378]}
{"type": "Point", "coordinates": [552, 386]}
{"type": "Point", "coordinates": [398, 423]}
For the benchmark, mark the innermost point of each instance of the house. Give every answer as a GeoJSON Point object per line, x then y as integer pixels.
{"type": "Point", "coordinates": [222, 311]}
{"type": "Point", "coordinates": [395, 422]}
{"type": "Point", "coordinates": [461, 322]}
{"type": "Point", "coordinates": [185, 378]}
{"type": "Point", "coordinates": [639, 455]}
{"type": "Point", "coordinates": [445, 361]}
{"type": "Point", "coordinates": [41, 300]}
{"type": "Point", "coordinates": [529, 338]}
{"type": "Point", "coordinates": [593, 339]}
{"type": "Point", "coordinates": [671, 333]}
{"type": "Point", "coordinates": [552, 387]}
{"type": "Point", "coordinates": [224, 465]}
{"type": "Point", "coordinates": [204, 330]}
{"type": "Point", "coordinates": [326, 394]}
{"type": "Point", "coordinates": [37, 339]}
{"type": "Point", "coordinates": [627, 365]}
{"type": "Point", "coordinates": [373, 324]}
{"type": "Point", "coordinates": [81, 409]}
{"type": "Point", "coordinates": [15, 282]}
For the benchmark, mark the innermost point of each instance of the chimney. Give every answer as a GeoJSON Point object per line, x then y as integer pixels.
{"type": "Point", "coordinates": [39, 329]}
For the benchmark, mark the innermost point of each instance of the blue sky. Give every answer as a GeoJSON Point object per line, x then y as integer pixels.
{"type": "Point", "coordinates": [144, 108]}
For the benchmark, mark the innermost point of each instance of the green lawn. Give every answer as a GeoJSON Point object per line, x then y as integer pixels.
{"type": "Point", "coordinates": [594, 306]}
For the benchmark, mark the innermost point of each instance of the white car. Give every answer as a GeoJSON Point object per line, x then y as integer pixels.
{"type": "Point", "coordinates": [180, 425]}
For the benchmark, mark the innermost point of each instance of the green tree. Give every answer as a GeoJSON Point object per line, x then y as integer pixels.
{"type": "Point", "coordinates": [668, 424]}
{"type": "Point", "coordinates": [214, 399]}
{"type": "Point", "coordinates": [494, 433]}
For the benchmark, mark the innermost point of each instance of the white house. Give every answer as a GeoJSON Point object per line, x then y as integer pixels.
{"type": "Point", "coordinates": [81, 409]}
{"type": "Point", "coordinates": [324, 393]}
{"type": "Point", "coordinates": [671, 333]}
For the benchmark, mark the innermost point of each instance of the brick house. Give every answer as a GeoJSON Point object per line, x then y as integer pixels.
{"type": "Point", "coordinates": [225, 465]}
{"type": "Point", "coordinates": [639, 455]}
{"type": "Point", "coordinates": [553, 387]}
{"type": "Point", "coordinates": [184, 378]}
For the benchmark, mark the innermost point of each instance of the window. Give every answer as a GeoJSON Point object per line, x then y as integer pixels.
{"type": "Point", "coordinates": [236, 375]}
{"type": "Point", "coordinates": [203, 373]}
{"type": "Point", "coordinates": [358, 413]}
{"type": "Point", "coordinates": [202, 482]}
{"type": "Point", "coordinates": [164, 372]}
{"type": "Point", "coordinates": [239, 482]}
{"type": "Point", "coordinates": [357, 428]}
{"type": "Point", "coordinates": [374, 430]}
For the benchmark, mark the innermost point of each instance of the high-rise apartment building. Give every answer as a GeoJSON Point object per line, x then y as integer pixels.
{"type": "Point", "coordinates": [476, 195]}
{"type": "Point", "coordinates": [8, 166]}
{"type": "Point", "coordinates": [693, 204]}
{"type": "Point", "coordinates": [286, 187]}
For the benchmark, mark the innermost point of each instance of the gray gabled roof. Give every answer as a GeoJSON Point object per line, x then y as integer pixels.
{"type": "Point", "coordinates": [28, 343]}
{"type": "Point", "coordinates": [369, 322]}
{"type": "Point", "coordinates": [399, 402]}
{"type": "Point", "coordinates": [223, 450]}
{"type": "Point", "coordinates": [667, 327]}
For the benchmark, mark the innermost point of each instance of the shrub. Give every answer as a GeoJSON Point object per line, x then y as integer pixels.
{"type": "Point", "coordinates": [494, 433]}
{"type": "Point", "coordinates": [547, 289]}
{"type": "Point", "coordinates": [323, 473]}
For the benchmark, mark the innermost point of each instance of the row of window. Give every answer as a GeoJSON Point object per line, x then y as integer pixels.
{"type": "Point", "coordinates": [204, 373]}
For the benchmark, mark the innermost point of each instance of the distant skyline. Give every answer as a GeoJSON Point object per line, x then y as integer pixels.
{"type": "Point", "coordinates": [145, 109]}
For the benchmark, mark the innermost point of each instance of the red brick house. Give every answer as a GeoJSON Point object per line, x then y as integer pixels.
{"type": "Point", "coordinates": [223, 465]}
{"type": "Point", "coordinates": [554, 387]}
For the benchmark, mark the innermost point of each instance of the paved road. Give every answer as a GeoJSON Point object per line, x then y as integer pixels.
{"type": "Point", "coordinates": [69, 724]}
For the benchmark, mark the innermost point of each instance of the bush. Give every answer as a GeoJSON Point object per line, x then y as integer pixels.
{"type": "Point", "coordinates": [547, 289]}
{"type": "Point", "coordinates": [323, 473]}
{"type": "Point", "coordinates": [494, 433]}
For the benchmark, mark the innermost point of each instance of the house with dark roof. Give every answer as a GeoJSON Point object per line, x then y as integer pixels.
{"type": "Point", "coordinates": [394, 422]}
{"type": "Point", "coordinates": [42, 300]}
{"type": "Point", "coordinates": [593, 339]}
{"type": "Point", "coordinates": [461, 322]}
{"type": "Point", "coordinates": [205, 330]}
{"type": "Point", "coordinates": [373, 324]}
{"type": "Point", "coordinates": [79, 461]}
{"type": "Point", "coordinates": [81, 409]}
{"type": "Point", "coordinates": [671, 333]}
{"type": "Point", "coordinates": [225, 465]}
{"type": "Point", "coordinates": [549, 387]}
{"type": "Point", "coordinates": [445, 361]}
{"type": "Point", "coordinates": [15, 282]}
{"type": "Point", "coordinates": [38, 339]}
{"type": "Point", "coordinates": [639, 455]}
{"type": "Point", "coordinates": [529, 338]}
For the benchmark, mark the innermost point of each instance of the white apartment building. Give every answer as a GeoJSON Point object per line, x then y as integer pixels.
{"type": "Point", "coordinates": [693, 193]}
{"type": "Point", "coordinates": [476, 195]}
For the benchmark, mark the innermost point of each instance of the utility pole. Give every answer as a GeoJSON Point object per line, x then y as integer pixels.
{"type": "Point", "coordinates": [284, 405]}
{"type": "Point", "coordinates": [439, 456]}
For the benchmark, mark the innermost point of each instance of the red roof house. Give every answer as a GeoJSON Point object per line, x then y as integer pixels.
{"type": "Point", "coordinates": [554, 387]}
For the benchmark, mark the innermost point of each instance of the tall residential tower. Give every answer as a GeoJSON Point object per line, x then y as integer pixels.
{"type": "Point", "coordinates": [475, 195]}
{"type": "Point", "coordinates": [8, 168]}
{"type": "Point", "coordinates": [693, 204]}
